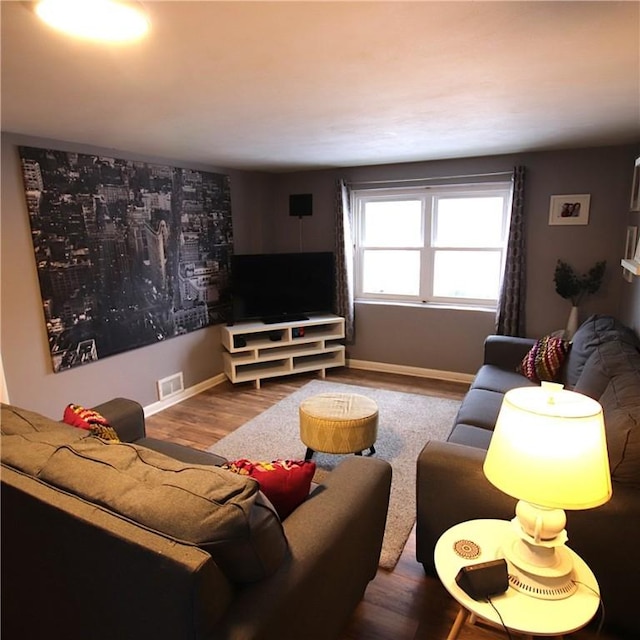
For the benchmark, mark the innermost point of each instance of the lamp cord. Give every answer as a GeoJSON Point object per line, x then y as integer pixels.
{"type": "Point", "coordinates": [504, 626]}
{"type": "Point", "coordinates": [602, 611]}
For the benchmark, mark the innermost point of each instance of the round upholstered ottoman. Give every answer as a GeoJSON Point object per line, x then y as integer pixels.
{"type": "Point", "coordinates": [338, 423]}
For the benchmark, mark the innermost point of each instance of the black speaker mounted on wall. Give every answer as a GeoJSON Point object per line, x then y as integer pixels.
{"type": "Point", "coordinates": [301, 204]}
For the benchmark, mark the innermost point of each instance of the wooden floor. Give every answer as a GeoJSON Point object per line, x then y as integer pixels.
{"type": "Point", "coordinates": [403, 604]}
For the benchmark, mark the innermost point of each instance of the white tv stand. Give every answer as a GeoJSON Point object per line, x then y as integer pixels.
{"type": "Point", "coordinates": [255, 350]}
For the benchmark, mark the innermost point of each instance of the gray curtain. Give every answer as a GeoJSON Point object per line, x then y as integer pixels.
{"type": "Point", "coordinates": [510, 315]}
{"type": "Point", "coordinates": [344, 260]}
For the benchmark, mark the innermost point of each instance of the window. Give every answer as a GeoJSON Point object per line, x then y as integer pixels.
{"type": "Point", "coordinates": [431, 244]}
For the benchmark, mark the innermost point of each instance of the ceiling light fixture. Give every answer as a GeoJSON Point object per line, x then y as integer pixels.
{"type": "Point", "coordinates": [103, 20]}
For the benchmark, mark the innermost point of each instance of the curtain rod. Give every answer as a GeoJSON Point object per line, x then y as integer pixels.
{"type": "Point", "coordinates": [458, 177]}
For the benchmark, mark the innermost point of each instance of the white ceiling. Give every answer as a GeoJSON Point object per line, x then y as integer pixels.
{"type": "Point", "coordinates": [281, 86]}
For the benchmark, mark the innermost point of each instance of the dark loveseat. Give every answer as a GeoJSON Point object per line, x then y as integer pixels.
{"type": "Point", "coordinates": [604, 363]}
{"type": "Point", "coordinates": [106, 540]}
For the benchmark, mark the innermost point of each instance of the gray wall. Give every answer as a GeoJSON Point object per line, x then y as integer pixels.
{"type": "Point", "coordinates": [451, 340]}
{"type": "Point", "coordinates": [430, 338]}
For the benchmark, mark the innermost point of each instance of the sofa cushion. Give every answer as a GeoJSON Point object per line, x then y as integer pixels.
{"type": "Point", "coordinates": [180, 451]}
{"type": "Point", "coordinates": [494, 378]}
{"type": "Point", "coordinates": [544, 360]}
{"type": "Point", "coordinates": [224, 514]}
{"type": "Point", "coordinates": [621, 407]}
{"type": "Point", "coordinates": [623, 442]}
{"type": "Point", "coordinates": [607, 360]}
{"type": "Point", "coordinates": [14, 420]}
{"type": "Point", "coordinates": [29, 439]}
{"type": "Point", "coordinates": [595, 330]}
{"type": "Point", "coordinates": [471, 436]}
{"type": "Point", "coordinates": [480, 408]}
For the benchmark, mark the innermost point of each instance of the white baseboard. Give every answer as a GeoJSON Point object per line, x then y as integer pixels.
{"type": "Point", "coordinates": [149, 410]}
{"type": "Point", "coordinates": [419, 372]}
{"type": "Point", "coordinates": [365, 365]}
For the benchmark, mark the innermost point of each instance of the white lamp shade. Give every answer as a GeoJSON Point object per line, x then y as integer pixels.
{"type": "Point", "coordinates": [549, 448]}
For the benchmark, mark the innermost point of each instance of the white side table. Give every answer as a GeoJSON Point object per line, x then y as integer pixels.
{"type": "Point", "coordinates": [520, 612]}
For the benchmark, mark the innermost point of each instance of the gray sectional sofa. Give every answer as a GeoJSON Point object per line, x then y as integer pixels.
{"type": "Point", "coordinates": [603, 363]}
{"type": "Point", "coordinates": [118, 540]}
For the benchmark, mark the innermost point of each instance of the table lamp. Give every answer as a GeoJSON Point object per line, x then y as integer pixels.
{"type": "Point", "coordinates": [549, 451]}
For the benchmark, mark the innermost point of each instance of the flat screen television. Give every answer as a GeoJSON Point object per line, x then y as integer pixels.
{"type": "Point", "coordinates": [277, 287]}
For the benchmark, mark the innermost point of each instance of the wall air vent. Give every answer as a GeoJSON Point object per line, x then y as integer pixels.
{"type": "Point", "coordinates": [170, 386]}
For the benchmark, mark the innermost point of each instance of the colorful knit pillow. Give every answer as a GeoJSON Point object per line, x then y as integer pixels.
{"type": "Point", "coordinates": [286, 483]}
{"type": "Point", "coordinates": [78, 416]}
{"type": "Point", "coordinates": [544, 360]}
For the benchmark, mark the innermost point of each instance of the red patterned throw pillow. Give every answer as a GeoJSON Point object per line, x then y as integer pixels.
{"type": "Point", "coordinates": [285, 482]}
{"type": "Point", "coordinates": [78, 416]}
{"type": "Point", "coordinates": [545, 359]}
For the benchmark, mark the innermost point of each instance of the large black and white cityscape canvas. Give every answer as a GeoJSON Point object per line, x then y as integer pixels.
{"type": "Point", "coordinates": [128, 253]}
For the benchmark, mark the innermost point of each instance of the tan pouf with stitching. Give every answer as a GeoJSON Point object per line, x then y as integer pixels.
{"type": "Point", "coordinates": [338, 423]}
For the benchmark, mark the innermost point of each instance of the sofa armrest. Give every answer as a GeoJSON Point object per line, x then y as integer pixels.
{"type": "Point", "coordinates": [156, 587]}
{"type": "Point", "coordinates": [506, 352]}
{"type": "Point", "coordinates": [334, 539]}
{"type": "Point", "coordinates": [606, 538]}
{"type": "Point", "coordinates": [125, 416]}
{"type": "Point", "coordinates": [452, 488]}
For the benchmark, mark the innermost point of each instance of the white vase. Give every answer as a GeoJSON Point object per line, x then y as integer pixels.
{"type": "Point", "coordinates": [572, 324]}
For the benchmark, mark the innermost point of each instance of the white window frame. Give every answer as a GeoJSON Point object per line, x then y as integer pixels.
{"type": "Point", "coordinates": [428, 196]}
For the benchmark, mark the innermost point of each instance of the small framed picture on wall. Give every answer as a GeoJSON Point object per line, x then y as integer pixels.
{"type": "Point", "coordinates": [630, 250]}
{"type": "Point", "coordinates": [635, 188]}
{"type": "Point", "coordinates": [570, 209]}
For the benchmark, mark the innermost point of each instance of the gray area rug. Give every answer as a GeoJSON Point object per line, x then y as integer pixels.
{"type": "Point", "coordinates": [406, 422]}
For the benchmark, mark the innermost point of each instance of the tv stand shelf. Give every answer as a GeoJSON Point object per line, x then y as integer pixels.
{"type": "Point", "coordinates": [255, 350]}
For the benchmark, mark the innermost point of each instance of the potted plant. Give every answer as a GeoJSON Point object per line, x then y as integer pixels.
{"type": "Point", "coordinates": [574, 287]}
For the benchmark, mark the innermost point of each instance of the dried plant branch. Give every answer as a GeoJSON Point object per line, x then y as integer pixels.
{"type": "Point", "coordinates": [574, 287]}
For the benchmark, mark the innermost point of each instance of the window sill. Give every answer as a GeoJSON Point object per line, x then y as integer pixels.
{"type": "Point", "coordinates": [445, 306]}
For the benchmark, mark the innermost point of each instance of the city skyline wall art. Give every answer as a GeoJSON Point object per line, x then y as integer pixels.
{"type": "Point", "coordinates": [128, 253]}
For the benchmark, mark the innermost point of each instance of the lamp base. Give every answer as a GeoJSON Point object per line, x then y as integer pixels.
{"type": "Point", "coordinates": [541, 587]}
{"type": "Point", "coordinates": [541, 570]}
